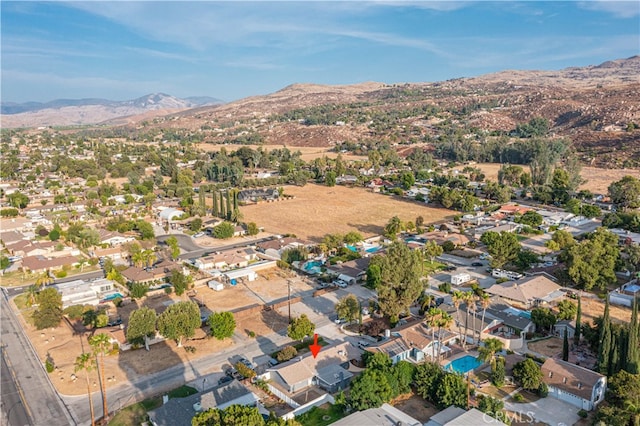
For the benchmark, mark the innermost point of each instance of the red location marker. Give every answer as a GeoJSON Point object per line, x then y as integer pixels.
{"type": "Point", "coordinates": [315, 348]}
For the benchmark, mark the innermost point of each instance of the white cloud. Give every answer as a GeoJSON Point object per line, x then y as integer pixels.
{"type": "Point", "coordinates": [620, 9]}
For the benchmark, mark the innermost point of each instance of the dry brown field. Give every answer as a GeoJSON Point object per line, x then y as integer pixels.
{"type": "Point", "coordinates": [318, 210]}
{"type": "Point", "coordinates": [309, 153]}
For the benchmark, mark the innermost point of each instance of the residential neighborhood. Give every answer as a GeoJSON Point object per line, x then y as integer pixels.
{"type": "Point", "coordinates": [497, 308]}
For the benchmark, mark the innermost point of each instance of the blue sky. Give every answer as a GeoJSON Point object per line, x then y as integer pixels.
{"type": "Point", "coordinates": [230, 50]}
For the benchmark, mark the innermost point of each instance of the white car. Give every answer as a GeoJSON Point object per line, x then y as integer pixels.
{"type": "Point", "coordinates": [341, 284]}
{"type": "Point", "coordinates": [198, 235]}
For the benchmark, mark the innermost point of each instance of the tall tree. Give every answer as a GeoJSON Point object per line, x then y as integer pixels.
{"type": "Point", "coordinates": [565, 346]}
{"type": "Point", "coordinates": [485, 301]}
{"type": "Point", "coordinates": [503, 247]}
{"type": "Point", "coordinates": [222, 325]}
{"type": "Point", "coordinates": [300, 328]}
{"type": "Point", "coordinates": [592, 262]}
{"type": "Point", "coordinates": [432, 318]}
{"type": "Point", "coordinates": [576, 336]}
{"type": "Point", "coordinates": [632, 345]}
{"type": "Point", "coordinates": [86, 362]}
{"type": "Point", "coordinates": [400, 283]}
{"type": "Point", "coordinates": [49, 312]}
{"type": "Point", "coordinates": [141, 326]}
{"type": "Point", "coordinates": [179, 321]}
{"type": "Point", "coordinates": [432, 250]}
{"type": "Point", "coordinates": [393, 227]}
{"type": "Point", "coordinates": [101, 346]}
{"type": "Point", "coordinates": [528, 374]}
{"type": "Point", "coordinates": [604, 351]}
{"type": "Point", "coordinates": [214, 199]}
{"type": "Point", "coordinates": [626, 192]}
{"type": "Point", "coordinates": [457, 298]}
{"type": "Point", "coordinates": [348, 308]}
{"type": "Point", "coordinates": [370, 389]}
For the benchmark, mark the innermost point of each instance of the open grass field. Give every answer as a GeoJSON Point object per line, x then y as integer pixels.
{"type": "Point", "coordinates": [318, 210]}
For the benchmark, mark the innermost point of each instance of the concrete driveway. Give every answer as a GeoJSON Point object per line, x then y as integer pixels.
{"type": "Point", "coordinates": [547, 410]}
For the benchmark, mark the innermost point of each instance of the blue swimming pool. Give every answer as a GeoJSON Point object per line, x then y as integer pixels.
{"type": "Point", "coordinates": [352, 248]}
{"type": "Point", "coordinates": [313, 267]}
{"type": "Point", "coordinates": [113, 296]}
{"type": "Point", "coordinates": [373, 249]}
{"type": "Point", "coordinates": [463, 365]}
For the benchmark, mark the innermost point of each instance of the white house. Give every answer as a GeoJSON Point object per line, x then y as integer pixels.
{"type": "Point", "coordinates": [571, 383]}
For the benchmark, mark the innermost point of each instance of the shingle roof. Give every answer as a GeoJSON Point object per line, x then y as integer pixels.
{"type": "Point", "coordinates": [526, 290]}
{"type": "Point", "coordinates": [570, 378]}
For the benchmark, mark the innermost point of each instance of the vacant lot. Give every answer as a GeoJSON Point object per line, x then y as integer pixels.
{"type": "Point", "coordinates": [318, 210]}
{"type": "Point", "coordinates": [547, 347]}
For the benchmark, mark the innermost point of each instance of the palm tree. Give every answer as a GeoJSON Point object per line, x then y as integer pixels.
{"type": "Point", "coordinates": [392, 228]}
{"type": "Point", "coordinates": [467, 298]}
{"type": "Point", "coordinates": [138, 259]}
{"type": "Point", "coordinates": [43, 279]}
{"type": "Point", "coordinates": [86, 362]}
{"type": "Point", "coordinates": [474, 309]}
{"type": "Point", "coordinates": [149, 258]}
{"type": "Point", "coordinates": [485, 301]}
{"type": "Point", "coordinates": [444, 321]}
{"type": "Point", "coordinates": [427, 300]}
{"type": "Point", "coordinates": [32, 294]}
{"type": "Point", "coordinates": [433, 316]}
{"type": "Point", "coordinates": [101, 345]}
{"type": "Point", "coordinates": [457, 298]}
{"type": "Point", "coordinates": [490, 348]}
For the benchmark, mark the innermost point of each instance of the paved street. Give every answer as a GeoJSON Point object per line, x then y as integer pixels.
{"type": "Point", "coordinates": [546, 410]}
{"type": "Point", "coordinates": [43, 403]}
{"type": "Point", "coordinates": [13, 409]}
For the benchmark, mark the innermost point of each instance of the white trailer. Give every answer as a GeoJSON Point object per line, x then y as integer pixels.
{"type": "Point", "coordinates": [460, 278]}
{"type": "Point", "coordinates": [215, 285]}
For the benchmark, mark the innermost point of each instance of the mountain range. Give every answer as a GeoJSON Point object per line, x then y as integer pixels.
{"type": "Point", "coordinates": [63, 112]}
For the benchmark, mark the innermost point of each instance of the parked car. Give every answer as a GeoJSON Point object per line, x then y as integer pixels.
{"type": "Point", "coordinates": [341, 284]}
{"type": "Point", "coordinates": [477, 264]}
{"type": "Point", "coordinates": [232, 372]}
{"type": "Point", "coordinates": [246, 362]}
{"type": "Point", "coordinates": [199, 234]}
{"type": "Point", "coordinates": [363, 344]}
{"type": "Point", "coordinates": [114, 322]}
{"type": "Point", "coordinates": [450, 268]}
{"type": "Point", "coordinates": [225, 379]}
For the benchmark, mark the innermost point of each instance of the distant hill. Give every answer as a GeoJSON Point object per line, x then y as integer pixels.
{"type": "Point", "coordinates": [64, 112]}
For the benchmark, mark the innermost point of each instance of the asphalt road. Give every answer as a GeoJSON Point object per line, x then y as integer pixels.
{"type": "Point", "coordinates": [42, 401]}
{"type": "Point", "coordinates": [193, 250]}
{"type": "Point", "coordinates": [11, 405]}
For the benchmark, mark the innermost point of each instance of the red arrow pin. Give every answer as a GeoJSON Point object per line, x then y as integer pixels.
{"type": "Point", "coordinates": [315, 348]}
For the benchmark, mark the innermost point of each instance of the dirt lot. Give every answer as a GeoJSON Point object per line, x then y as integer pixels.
{"type": "Point", "coordinates": [548, 347]}
{"type": "Point", "coordinates": [65, 343]}
{"type": "Point", "coordinates": [318, 210]}
{"type": "Point", "coordinates": [416, 407]}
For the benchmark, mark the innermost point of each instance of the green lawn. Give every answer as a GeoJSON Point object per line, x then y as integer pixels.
{"type": "Point", "coordinates": [321, 416]}
{"type": "Point", "coordinates": [431, 267]}
{"type": "Point", "coordinates": [135, 414]}
{"type": "Point", "coordinates": [182, 392]}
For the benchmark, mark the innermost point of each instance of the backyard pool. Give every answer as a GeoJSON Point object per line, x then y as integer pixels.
{"type": "Point", "coordinates": [373, 249]}
{"type": "Point", "coordinates": [113, 296]}
{"type": "Point", "coordinates": [463, 365]}
{"type": "Point", "coordinates": [313, 267]}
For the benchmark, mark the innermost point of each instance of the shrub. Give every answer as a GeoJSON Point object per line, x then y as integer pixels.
{"type": "Point", "coordinates": [518, 397]}
{"type": "Point", "coordinates": [48, 365]}
{"type": "Point", "coordinates": [445, 287]}
{"type": "Point", "coordinates": [286, 353]}
{"type": "Point", "coordinates": [168, 290]}
{"type": "Point", "coordinates": [61, 274]}
{"type": "Point", "coordinates": [583, 413]}
{"type": "Point", "coordinates": [244, 370]}
{"type": "Point", "coordinates": [74, 312]}
{"type": "Point", "coordinates": [117, 301]}
{"type": "Point", "coordinates": [138, 290]}
{"type": "Point", "coordinates": [448, 246]}
{"type": "Point", "coordinates": [102, 320]}
{"type": "Point", "coordinates": [543, 390]}
{"type": "Point", "coordinates": [252, 334]}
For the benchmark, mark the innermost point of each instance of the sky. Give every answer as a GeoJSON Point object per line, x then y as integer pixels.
{"type": "Point", "coordinates": [122, 50]}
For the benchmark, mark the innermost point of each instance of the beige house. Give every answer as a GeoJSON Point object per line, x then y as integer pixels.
{"type": "Point", "coordinates": [574, 384]}
{"type": "Point", "coordinates": [528, 292]}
